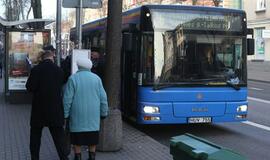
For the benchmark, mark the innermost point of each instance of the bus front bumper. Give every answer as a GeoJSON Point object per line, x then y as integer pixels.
{"type": "Point", "coordinates": [183, 113]}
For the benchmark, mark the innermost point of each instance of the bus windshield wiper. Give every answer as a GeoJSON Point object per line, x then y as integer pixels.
{"type": "Point", "coordinates": [229, 83]}
{"type": "Point", "coordinates": [162, 86]}
{"type": "Point", "coordinates": [232, 82]}
{"type": "Point", "coordinates": [159, 86]}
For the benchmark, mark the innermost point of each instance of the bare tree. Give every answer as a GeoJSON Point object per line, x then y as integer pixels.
{"type": "Point", "coordinates": [15, 9]}
{"type": "Point", "coordinates": [103, 11]}
{"type": "Point", "coordinates": [194, 2]}
{"type": "Point", "coordinates": [24, 5]}
{"type": "Point", "coordinates": [28, 12]}
{"type": "Point", "coordinates": [12, 11]}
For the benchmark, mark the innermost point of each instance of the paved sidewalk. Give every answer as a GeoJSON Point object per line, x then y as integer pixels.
{"type": "Point", "coordinates": [14, 139]}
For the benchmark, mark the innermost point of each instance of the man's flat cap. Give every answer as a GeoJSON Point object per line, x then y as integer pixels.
{"type": "Point", "coordinates": [48, 48]}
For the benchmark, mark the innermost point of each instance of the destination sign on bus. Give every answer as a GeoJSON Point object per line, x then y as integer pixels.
{"type": "Point", "coordinates": [195, 21]}
{"type": "Point", "coordinates": [207, 24]}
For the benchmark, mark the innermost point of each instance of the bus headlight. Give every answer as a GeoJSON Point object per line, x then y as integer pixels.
{"type": "Point", "coordinates": [242, 108]}
{"type": "Point", "coordinates": [150, 109]}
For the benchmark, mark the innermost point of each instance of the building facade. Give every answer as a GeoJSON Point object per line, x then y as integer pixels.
{"type": "Point", "coordinates": [236, 4]}
{"type": "Point", "coordinates": [258, 18]}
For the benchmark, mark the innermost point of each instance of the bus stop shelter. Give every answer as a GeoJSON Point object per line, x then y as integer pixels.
{"type": "Point", "coordinates": [22, 41]}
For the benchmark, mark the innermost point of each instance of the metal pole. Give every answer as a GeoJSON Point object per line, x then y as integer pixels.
{"type": "Point", "coordinates": [79, 25]}
{"type": "Point", "coordinates": [58, 31]}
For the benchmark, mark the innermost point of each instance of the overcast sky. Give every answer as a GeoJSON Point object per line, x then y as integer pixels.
{"type": "Point", "coordinates": [48, 8]}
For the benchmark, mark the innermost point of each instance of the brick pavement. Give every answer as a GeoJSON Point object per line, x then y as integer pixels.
{"type": "Point", "coordinates": [14, 139]}
{"type": "Point", "coordinates": [14, 132]}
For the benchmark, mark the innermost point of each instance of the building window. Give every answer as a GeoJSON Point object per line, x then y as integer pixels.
{"type": "Point", "coordinates": [261, 5]}
{"type": "Point", "coordinates": [259, 44]}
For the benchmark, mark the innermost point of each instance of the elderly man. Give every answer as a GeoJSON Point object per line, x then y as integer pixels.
{"type": "Point", "coordinates": [45, 82]}
{"type": "Point", "coordinates": [49, 48]}
{"type": "Point", "coordinates": [98, 62]}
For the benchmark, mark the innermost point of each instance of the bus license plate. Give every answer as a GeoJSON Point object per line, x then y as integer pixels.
{"type": "Point", "coordinates": [200, 120]}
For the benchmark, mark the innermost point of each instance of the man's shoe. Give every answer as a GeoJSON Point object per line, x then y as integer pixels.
{"type": "Point", "coordinates": [78, 156]}
{"type": "Point", "coordinates": [92, 155]}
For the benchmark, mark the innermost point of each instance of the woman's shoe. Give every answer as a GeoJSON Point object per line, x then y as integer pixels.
{"type": "Point", "coordinates": [78, 156]}
{"type": "Point", "coordinates": [92, 155]}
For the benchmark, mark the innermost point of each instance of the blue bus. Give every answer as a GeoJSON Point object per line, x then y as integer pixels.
{"type": "Point", "coordinates": [180, 64]}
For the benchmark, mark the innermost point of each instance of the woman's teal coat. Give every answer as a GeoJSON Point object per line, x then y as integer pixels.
{"type": "Point", "coordinates": [85, 101]}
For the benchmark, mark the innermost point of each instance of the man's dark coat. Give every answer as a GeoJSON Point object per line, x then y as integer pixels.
{"type": "Point", "coordinates": [45, 82]}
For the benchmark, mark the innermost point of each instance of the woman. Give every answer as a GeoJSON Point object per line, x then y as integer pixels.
{"type": "Point", "coordinates": [85, 103]}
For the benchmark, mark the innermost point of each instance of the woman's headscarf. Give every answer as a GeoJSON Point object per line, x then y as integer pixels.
{"type": "Point", "coordinates": [84, 64]}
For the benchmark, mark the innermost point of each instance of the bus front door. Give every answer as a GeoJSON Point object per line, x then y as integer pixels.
{"type": "Point", "coordinates": [129, 75]}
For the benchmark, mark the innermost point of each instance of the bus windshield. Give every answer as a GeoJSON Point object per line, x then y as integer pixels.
{"type": "Point", "coordinates": [195, 47]}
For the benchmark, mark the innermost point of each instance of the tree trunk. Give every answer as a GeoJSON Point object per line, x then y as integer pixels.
{"type": "Point", "coordinates": [21, 3]}
{"type": "Point", "coordinates": [111, 128]}
{"type": "Point", "coordinates": [28, 12]}
{"type": "Point", "coordinates": [36, 5]}
{"type": "Point", "coordinates": [37, 12]}
{"type": "Point", "coordinates": [9, 11]}
{"type": "Point", "coordinates": [14, 9]}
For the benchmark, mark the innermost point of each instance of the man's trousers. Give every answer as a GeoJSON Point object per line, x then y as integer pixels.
{"type": "Point", "coordinates": [58, 136]}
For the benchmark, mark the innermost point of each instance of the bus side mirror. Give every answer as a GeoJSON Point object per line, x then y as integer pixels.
{"type": "Point", "coordinates": [127, 42]}
{"type": "Point", "coordinates": [250, 47]}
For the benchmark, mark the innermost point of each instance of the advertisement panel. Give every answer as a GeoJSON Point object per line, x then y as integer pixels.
{"type": "Point", "coordinates": [259, 44]}
{"type": "Point", "coordinates": [23, 53]}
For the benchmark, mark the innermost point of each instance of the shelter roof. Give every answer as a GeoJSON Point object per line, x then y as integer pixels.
{"type": "Point", "coordinates": [24, 23]}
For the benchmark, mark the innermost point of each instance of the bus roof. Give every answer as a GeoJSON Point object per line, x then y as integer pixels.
{"type": "Point", "coordinates": [177, 7]}
{"type": "Point", "coordinates": [190, 7]}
